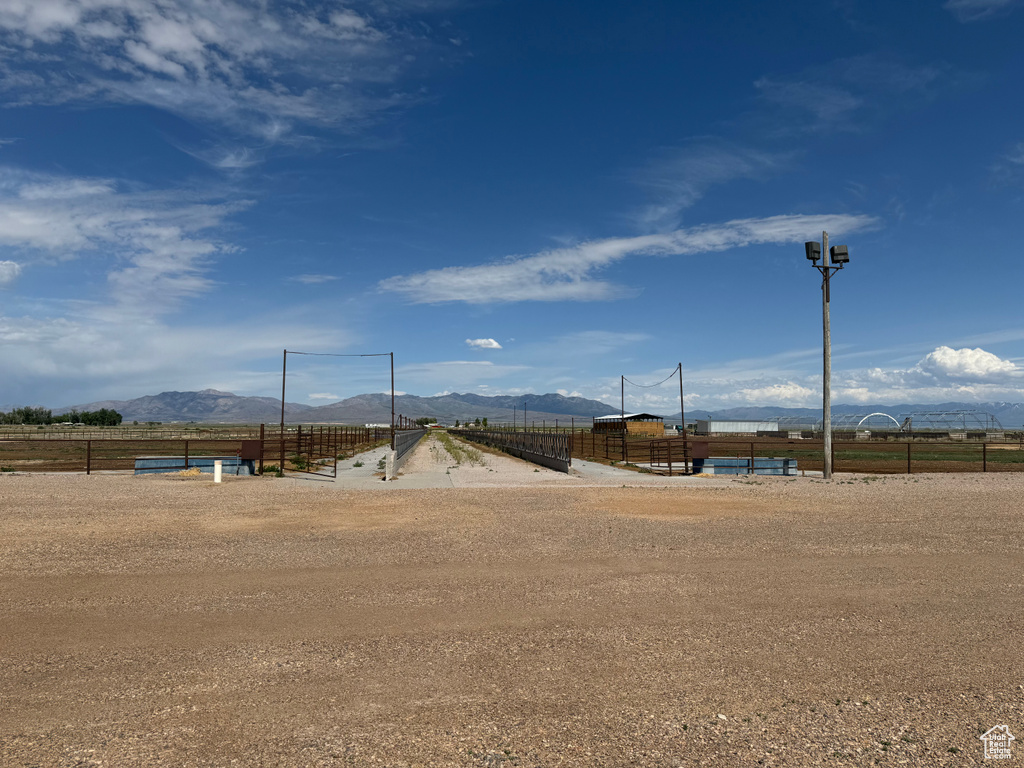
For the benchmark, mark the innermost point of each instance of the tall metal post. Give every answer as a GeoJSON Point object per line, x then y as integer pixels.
{"type": "Point", "coordinates": [392, 355]}
{"type": "Point", "coordinates": [622, 401]}
{"type": "Point", "coordinates": [284, 372]}
{"type": "Point", "coordinates": [682, 408]}
{"type": "Point", "coordinates": [826, 404]}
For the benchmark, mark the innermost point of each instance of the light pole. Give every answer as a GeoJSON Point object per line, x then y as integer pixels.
{"type": "Point", "coordinates": [835, 258]}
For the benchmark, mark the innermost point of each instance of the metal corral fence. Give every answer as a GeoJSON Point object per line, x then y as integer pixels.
{"type": "Point", "coordinates": [304, 449]}
{"type": "Point", "coordinates": [847, 456]}
{"type": "Point", "coordinates": [131, 432]}
{"type": "Point", "coordinates": [315, 450]}
{"type": "Point", "coordinates": [549, 449]}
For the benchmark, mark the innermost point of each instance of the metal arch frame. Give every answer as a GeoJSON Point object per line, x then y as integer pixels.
{"type": "Point", "coordinates": [879, 414]}
{"type": "Point", "coordinates": [955, 419]}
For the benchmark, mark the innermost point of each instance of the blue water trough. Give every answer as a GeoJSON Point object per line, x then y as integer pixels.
{"type": "Point", "coordinates": [716, 465]}
{"type": "Point", "coordinates": [231, 465]}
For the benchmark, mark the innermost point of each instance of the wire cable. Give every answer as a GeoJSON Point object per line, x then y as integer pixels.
{"type": "Point", "coordinates": [331, 354]}
{"type": "Point", "coordinates": [649, 386]}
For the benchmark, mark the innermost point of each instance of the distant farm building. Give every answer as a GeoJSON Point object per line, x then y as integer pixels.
{"type": "Point", "coordinates": [730, 427]}
{"type": "Point", "coordinates": [646, 424]}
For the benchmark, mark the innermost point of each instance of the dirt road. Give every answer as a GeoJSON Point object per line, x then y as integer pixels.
{"type": "Point", "coordinates": [161, 621]}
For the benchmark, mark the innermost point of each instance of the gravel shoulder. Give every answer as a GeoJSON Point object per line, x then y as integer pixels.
{"type": "Point", "coordinates": [165, 621]}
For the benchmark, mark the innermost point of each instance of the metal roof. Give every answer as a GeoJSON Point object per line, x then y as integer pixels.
{"type": "Point", "coordinates": [628, 416]}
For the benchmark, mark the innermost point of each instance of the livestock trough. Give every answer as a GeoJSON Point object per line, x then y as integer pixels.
{"type": "Point", "coordinates": [230, 465]}
{"type": "Point", "coordinates": [717, 465]}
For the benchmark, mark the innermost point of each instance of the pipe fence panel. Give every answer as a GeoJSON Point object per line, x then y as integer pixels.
{"type": "Point", "coordinates": [307, 448]}
{"type": "Point", "coordinates": [549, 449]}
{"type": "Point", "coordinates": [863, 456]}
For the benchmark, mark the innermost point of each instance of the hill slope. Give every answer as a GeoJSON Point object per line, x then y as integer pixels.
{"type": "Point", "coordinates": [210, 405]}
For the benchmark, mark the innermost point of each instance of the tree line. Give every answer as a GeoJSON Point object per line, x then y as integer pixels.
{"type": "Point", "coordinates": [104, 417]}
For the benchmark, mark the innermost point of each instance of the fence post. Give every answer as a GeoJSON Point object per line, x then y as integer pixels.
{"type": "Point", "coordinates": [88, 457]}
{"type": "Point", "coordinates": [751, 459]}
{"type": "Point", "coordinates": [186, 454]}
{"type": "Point", "coordinates": [262, 435]}
{"type": "Point", "coordinates": [984, 457]}
{"type": "Point", "coordinates": [908, 457]}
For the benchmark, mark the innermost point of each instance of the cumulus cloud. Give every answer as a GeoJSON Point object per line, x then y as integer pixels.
{"type": "Point", "coordinates": [483, 343]}
{"type": "Point", "coordinates": [966, 363]}
{"type": "Point", "coordinates": [787, 381]}
{"type": "Point", "coordinates": [9, 271]}
{"type": "Point", "coordinates": [787, 394]}
{"type": "Point", "coordinates": [568, 274]}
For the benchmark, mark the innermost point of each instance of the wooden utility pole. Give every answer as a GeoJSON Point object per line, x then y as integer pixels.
{"type": "Point", "coordinates": [682, 408]}
{"type": "Point", "coordinates": [826, 404]}
{"type": "Point", "coordinates": [392, 356]}
{"type": "Point", "coordinates": [284, 375]}
{"type": "Point", "coordinates": [622, 403]}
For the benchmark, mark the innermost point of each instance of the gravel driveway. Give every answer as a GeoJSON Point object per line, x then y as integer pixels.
{"type": "Point", "coordinates": [165, 621]}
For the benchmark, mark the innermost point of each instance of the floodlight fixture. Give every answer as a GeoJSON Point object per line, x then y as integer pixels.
{"type": "Point", "coordinates": [840, 255]}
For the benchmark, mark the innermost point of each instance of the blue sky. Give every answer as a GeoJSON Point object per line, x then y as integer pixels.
{"type": "Point", "coordinates": [513, 196]}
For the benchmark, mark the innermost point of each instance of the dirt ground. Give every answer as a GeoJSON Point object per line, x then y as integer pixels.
{"type": "Point", "coordinates": [165, 621]}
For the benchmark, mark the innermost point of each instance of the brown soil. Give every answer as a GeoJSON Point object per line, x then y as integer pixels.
{"type": "Point", "coordinates": [168, 621]}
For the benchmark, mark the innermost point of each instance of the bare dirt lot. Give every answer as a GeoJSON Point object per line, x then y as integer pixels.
{"type": "Point", "coordinates": [163, 621]}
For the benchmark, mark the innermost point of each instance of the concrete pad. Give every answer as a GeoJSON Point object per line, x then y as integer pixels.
{"type": "Point", "coordinates": [431, 466]}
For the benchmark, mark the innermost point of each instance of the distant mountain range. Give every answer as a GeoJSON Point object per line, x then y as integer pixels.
{"type": "Point", "coordinates": [213, 406]}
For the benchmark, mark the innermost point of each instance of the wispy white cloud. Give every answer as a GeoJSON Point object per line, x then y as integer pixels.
{"type": "Point", "coordinates": [158, 239]}
{"type": "Point", "coordinates": [1009, 167]}
{"type": "Point", "coordinates": [851, 93]}
{"type": "Point", "coordinates": [483, 343]}
{"type": "Point", "coordinates": [258, 68]}
{"type": "Point", "coordinates": [567, 274]}
{"type": "Point", "coordinates": [826, 104]}
{"type": "Point", "coordinates": [323, 396]}
{"type": "Point", "coordinates": [9, 271]}
{"type": "Point", "coordinates": [94, 352]}
{"type": "Point", "coordinates": [679, 177]}
{"type": "Point", "coordinates": [313, 279]}
{"type": "Point", "coordinates": [456, 375]}
{"type": "Point", "coordinates": [976, 10]}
